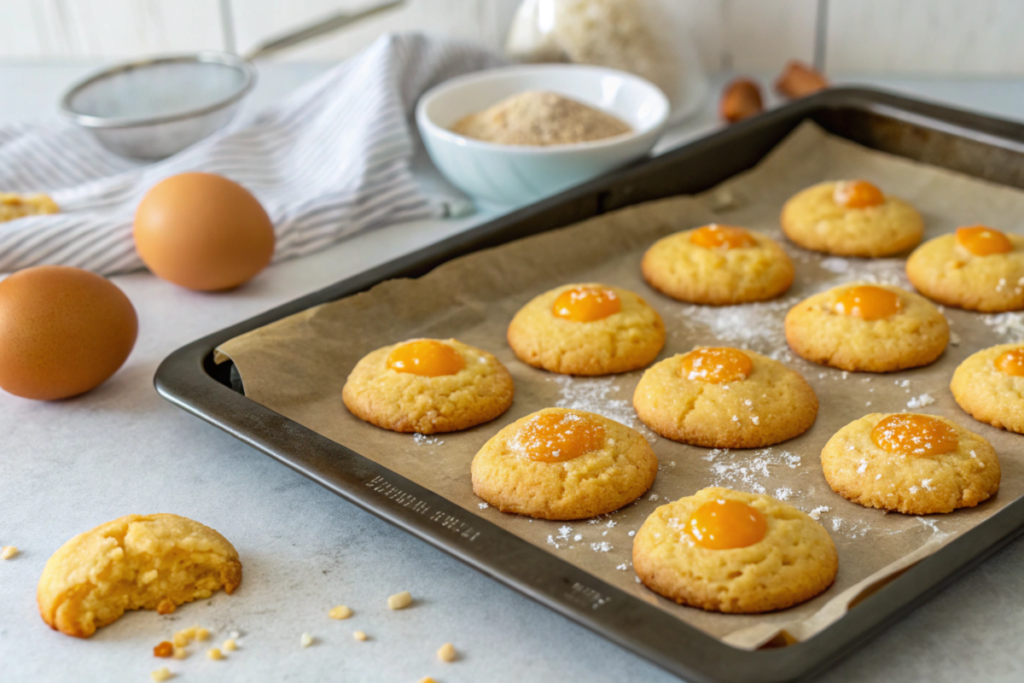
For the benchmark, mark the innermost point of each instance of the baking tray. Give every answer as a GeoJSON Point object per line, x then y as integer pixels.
{"type": "Point", "coordinates": [968, 143]}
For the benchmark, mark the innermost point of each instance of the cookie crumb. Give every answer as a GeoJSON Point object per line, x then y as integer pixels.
{"type": "Point", "coordinates": [164, 649]}
{"type": "Point", "coordinates": [161, 674]}
{"type": "Point", "coordinates": [427, 679]}
{"type": "Point", "coordinates": [202, 633]}
{"type": "Point", "coordinates": [8, 552]}
{"type": "Point", "coordinates": [400, 600]}
{"type": "Point", "coordinates": [230, 645]}
{"type": "Point", "coordinates": [446, 653]}
{"type": "Point", "coordinates": [340, 612]}
{"type": "Point", "coordinates": [180, 653]}
{"type": "Point", "coordinates": [359, 635]}
{"type": "Point", "coordinates": [306, 640]}
{"type": "Point", "coordinates": [185, 636]}
{"type": "Point", "coordinates": [166, 606]}
{"type": "Point", "coordinates": [214, 653]}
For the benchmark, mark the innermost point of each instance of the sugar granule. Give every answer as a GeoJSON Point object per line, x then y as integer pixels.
{"type": "Point", "coordinates": [815, 514]}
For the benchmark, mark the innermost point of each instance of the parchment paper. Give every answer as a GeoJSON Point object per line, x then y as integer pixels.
{"type": "Point", "coordinates": [297, 367]}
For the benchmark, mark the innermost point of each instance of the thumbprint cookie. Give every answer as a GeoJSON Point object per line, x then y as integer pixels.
{"type": "Point", "coordinates": [718, 265]}
{"type": "Point", "coordinates": [914, 464]}
{"type": "Point", "coordinates": [864, 327]}
{"type": "Point", "coordinates": [563, 464]}
{"type": "Point", "coordinates": [728, 551]}
{"type": "Point", "coordinates": [428, 386]}
{"type": "Point", "coordinates": [978, 268]}
{"type": "Point", "coordinates": [851, 218]}
{"type": "Point", "coordinates": [725, 398]}
{"type": "Point", "coordinates": [587, 329]}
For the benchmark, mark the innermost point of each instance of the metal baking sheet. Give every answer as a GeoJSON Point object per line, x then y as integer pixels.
{"type": "Point", "coordinates": [870, 118]}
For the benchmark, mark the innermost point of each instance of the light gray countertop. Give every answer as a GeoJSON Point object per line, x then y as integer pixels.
{"type": "Point", "coordinates": [66, 467]}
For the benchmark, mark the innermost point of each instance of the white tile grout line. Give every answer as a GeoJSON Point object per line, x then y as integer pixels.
{"type": "Point", "coordinates": [821, 35]}
{"type": "Point", "coordinates": [227, 26]}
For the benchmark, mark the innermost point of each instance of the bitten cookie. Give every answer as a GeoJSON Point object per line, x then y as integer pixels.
{"type": "Point", "coordinates": [134, 562]}
{"type": "Point", "coordinates": [718, 265]}
{"type": "Point", "coordinates": [428, 386]}
{"type": "Point", "coordinates": [587, 329]}
{"type": "Point", "coordinates": [989, 386]}
{"type": "Point", "coordinates": [915, 464]}
{"type": "Point", "coordinates": [851, 218]}
{"type": "Point", "coordinates": [978, 268]}
{"type": "Point", "coordinates": [563, 464]}
{"type": "Point", "coordinates": [727, 551]}
{"type": "Point", "coordinates": [14, 206]}
{"type": "Point", "coordinates": [725, 398]}
{"type": "Point", "coordinates": [864, 327]}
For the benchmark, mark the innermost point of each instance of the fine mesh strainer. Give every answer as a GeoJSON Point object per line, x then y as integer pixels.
{"type": "Point", "coordinates": [152, 108]}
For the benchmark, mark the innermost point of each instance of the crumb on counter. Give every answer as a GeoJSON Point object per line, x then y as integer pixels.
{"type": "Point", "coordinates": [214, 653]}
{"type": "Point", "coordinates": [184, 636]}
{"type": "Point", "coordinates": [446, 653]}
{"type": "Point", "coordinates": [8, 552]}
{"type": "Point", "coordinates": [161, 674]}
{"type": "Point", "coordinates": [180, 653]}
{"type": "Point", "coordinates": [164, 649]}
{"type": "Point", "coordinates": [400, 600]}
{"type": "Point", "coordinates": [202, 633]}
{"type": "Point", "coordinates": [427, 679]}
{"type": "Point", "coordinates": [359, 635]}
{"type": "Point", "coordinates": [340, 612]}
{"type": "Point", "coordinates": [230, 645]}
{"type": "Point", "coordinates": [306, 640]}
{"type": "Point", "coordinates": [166, 606]}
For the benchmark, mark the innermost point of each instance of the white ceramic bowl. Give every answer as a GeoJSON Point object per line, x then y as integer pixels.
{"type": "Point", "coordinates": [518, 174]}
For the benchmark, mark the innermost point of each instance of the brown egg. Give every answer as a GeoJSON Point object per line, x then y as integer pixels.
{"type": "Point", "coordinates": [202, 231]}
{"type": "Point", "coordinates": [63, 331]}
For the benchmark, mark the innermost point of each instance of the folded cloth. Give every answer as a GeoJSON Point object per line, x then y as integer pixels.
{"type": "Point", "coordinates": [331, 160]}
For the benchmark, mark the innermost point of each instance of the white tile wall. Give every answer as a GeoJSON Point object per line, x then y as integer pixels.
{"type": "Point", "coordinates": [926, 36]}
{"type": "Point", "coordinates": [901, 36]}
{"type": "Point", "coordinates": [89, 29]}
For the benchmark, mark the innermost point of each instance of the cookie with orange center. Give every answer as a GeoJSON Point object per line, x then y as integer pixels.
{"type": "Point", "coordinates": [727, 551]}
{"type": "Point", "coordinates": [851, 218]}
{"type": "Point", "coordinates": [978, 268]}
{"type": "Point", "coordinates": [989, 386]}
{"type": "Point", "coordinates": [563, 464]}
{"type": "Point", "coordinates": [587, 329]}
{"type": "Point", "coordinates": [718, 265]}
{"type": "Point", "coordinates": [863, 327]}
{"type": "Point", "coordinates": [428, 386]}
{"type": "Point", "coordinates": [914, 464]}
{"type": "Point", "coordinates": [725, 398]}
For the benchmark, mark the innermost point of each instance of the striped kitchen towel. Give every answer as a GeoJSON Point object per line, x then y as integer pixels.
{"type": "Point", "coordinates": [331, 160]}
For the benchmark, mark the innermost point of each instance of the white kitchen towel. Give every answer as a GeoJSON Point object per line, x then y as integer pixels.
{"type": "Point", "coordinates": [330, 160]}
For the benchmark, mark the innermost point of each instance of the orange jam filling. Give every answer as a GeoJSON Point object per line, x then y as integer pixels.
{"type": "Point", "coordinates": [426, 357]}
{"type": "Point", "coordinates": [716, 365]}
{"type": "Point", "coordinates": [723, 237]}
{"type": "Point", "coordinates": [586, 304]}
{"type": "Point", "coordinates": [558, 437]}
{"type": "Point", "coordinates": [914, 435]}
{"type": "Point", "coordinates": [857, 194]}
{"type": "Point", "coordinates": [982, 241]}
{"type": "Point", "coordinates": [723, 524]}
{"type": "Point", "coordinates": [868, 303]}
{"type": "Point", "coordinates": [1011, 362]}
